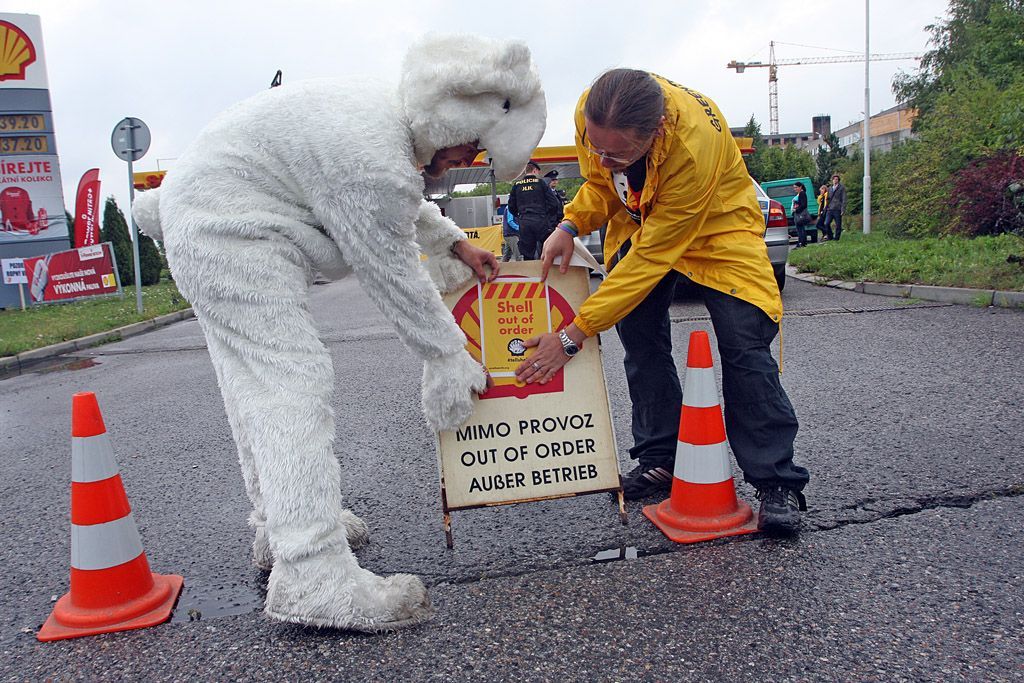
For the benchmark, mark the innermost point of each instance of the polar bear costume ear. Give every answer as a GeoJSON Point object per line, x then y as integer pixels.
{"type": "Point", "coordinates": [457, 89]}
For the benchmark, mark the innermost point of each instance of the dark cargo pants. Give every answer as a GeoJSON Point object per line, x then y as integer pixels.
{"type": "Point", "coordinates": [759, 419]}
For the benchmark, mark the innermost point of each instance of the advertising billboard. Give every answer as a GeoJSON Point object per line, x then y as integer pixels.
{"type": "Point", "coordinates": [31, 196]}
{"type": "Point", "coordinates": [72, 274]}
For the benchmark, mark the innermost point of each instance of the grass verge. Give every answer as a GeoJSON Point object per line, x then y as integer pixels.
{"type": "Point", "coordinates": [52, 323]}
{"type": "Point", "coordinates": [979, 263]}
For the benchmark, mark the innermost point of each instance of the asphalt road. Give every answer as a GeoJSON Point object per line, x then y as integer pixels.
{"type": "Point", "coordinates": [909, 567]}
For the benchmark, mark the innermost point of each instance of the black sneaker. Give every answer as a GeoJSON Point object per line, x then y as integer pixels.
{"type": "Point", "coordinates": [780, 509]}
{"type": "Point", "coordinates": [646, 480]}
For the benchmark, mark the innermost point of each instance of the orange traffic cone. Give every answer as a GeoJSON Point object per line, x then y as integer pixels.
{"type": "Point", "coordinates": [703, 503]}
{"type": "Point", "coordinates": [112, 588]}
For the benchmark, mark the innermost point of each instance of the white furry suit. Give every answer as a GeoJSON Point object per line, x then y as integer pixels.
{"type": "Point", "coordinates": [324, 176]}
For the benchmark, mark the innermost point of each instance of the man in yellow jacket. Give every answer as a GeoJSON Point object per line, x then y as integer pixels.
{"type": "Point", "coordinates": [662, 170]}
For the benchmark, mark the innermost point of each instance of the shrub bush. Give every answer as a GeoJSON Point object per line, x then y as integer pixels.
{"type": "Point", "coordinates": [982, 201]}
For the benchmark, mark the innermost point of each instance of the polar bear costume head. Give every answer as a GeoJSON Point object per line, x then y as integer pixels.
{"type": "Point", "coordinates": [458, 89]}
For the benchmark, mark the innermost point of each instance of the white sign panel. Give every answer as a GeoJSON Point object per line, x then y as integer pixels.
{"type": "Point", "coordinates": [528, 442]}
{"type": "Point", "coordinates": [91, 252]}
{"type": "Point", "coordinates": [14, 271]}
{"type": "Point", "coordinates": [22, 64]}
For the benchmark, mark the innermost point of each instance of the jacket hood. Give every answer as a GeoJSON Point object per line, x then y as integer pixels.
{"type": "Point", "coordinates": [457, 89]}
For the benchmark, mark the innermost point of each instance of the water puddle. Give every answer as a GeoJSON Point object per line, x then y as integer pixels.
{"type": "Point", "coordinates": [45, 365]}
{"type": "Point", "coordinates": [199, 602]}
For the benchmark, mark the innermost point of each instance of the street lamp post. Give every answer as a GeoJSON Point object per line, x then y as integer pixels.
{"type": "Point", "coordinates": [867, 118]}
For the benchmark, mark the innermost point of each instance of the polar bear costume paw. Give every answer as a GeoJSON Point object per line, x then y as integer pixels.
{"type": "Point", "coordinates": [331, 590]}
{"type": "Point", "coordinates": [449, 383]}
{"type": "Point", "coordinates": [356, 530]}
{"type": "Point", "coordinates": [448, 272]}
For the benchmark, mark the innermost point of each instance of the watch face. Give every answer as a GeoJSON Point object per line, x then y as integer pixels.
{"type": "Point", "coordinates": [568, 345]}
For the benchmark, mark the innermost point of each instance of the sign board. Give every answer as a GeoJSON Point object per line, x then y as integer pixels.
{"type": "Point", "coordinates": [130, 139]}
{"type": "Point", "coordinates": [147, 180]}
{"type": "Point", "coordinates": [488, 237]}
{"type": "Point", "coordinates": [72, 274]}
{"type": "Point", "coordinates": [31, 196]}
{"type": "Point", "coordinates": [24, 65]}
{"type": "Point", "coordinates": [527, 442]}
{"type": "Point", "coordinates": [14, 271]}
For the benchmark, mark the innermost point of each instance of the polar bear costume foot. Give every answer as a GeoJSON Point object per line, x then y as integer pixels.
{"type": "Point", "coordinates": [356, 530]}
{"type": "Point", "coordinates": [331, 590]}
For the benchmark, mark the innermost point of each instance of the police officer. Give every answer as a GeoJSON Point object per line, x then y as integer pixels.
{"type": "Point", "coordinates": [536, 209]}
{"type": "Point", "coordinates": [552, 177]}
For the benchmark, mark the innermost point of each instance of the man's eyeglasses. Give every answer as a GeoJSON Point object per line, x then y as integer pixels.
{"type": "Point", "coordinates": [610, 157]}
{"type": "Point", "coordinates": [615, 159]}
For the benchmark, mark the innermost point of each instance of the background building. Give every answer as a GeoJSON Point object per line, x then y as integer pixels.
{"type": "Point", "coordinates": [887, 128]}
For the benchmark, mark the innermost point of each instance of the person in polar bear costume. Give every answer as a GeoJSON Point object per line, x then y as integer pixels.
{"type": "Point", "coordinates": [326, 176]}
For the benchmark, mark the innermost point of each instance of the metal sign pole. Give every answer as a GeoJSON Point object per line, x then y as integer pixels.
{"type": "Point", "coordinates": [135, 240]}
{"type": "Point", "coordinates": [130, 141]}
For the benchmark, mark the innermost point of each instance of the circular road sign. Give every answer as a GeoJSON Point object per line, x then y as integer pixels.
{"type": "Point", "coordinates": [130, 139]}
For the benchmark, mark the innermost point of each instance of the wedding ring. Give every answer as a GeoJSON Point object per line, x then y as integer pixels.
{"type": "Point", "coordinates": [537, 366]}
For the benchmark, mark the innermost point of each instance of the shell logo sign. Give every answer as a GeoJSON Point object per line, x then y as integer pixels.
{"type": "Point", "coordinates": [16, 52]}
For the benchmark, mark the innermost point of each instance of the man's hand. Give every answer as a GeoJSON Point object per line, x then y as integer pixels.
{"type": "Point", "coordinates": [547, 360]}
{"type": "Point", "coordinates": [549, 357]}
{"type": "Point", "coordinates": [476, 258]}
{"type": "Point", "coordinates": [559, 243]}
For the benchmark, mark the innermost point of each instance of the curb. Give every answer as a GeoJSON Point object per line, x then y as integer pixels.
{"type": "Point", "coordinates": [14, 365]}
{"type": "Point", "coordinates": [949, 295]}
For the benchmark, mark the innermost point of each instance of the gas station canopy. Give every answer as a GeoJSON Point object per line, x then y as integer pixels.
{"type": "Point", "coordinates": [561, 158]}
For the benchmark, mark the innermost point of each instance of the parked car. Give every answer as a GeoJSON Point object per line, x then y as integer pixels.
{"type": "Point", "coordinates": [782, 191]}
{"type": "Point", "coordinates": [776, 236]}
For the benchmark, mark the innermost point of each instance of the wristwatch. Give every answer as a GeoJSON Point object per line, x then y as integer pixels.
{"type": "Point", "coordinates": [570, 347]}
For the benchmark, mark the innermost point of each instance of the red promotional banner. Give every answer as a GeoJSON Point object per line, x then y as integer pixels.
{"type": "Point", "coordinates": [72, 274]}
{"type": "Point", "coordinates": [87, 209]}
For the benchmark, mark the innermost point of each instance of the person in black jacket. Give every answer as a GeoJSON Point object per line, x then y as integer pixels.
{"type": "Point", "coordinates": [536, 209]}
{"type": "Point", "coordinates": [552, 178]}
{"type": "Point", "coordinates": [800, 216]}
{"type": "Point", "coordinates": [836, 207]}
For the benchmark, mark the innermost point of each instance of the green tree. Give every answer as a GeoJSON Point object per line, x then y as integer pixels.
{"type": "Point", "coordinates": [984, 34]}
{"type": "Point", "coordinates": [829, 156]}
{"type": "Point", "coordinates": [755, 161]}
{"type": "Point", "coordinates": [71, 226]}
{"type": "Point", "coordinates": [150, 262]}
{"type": "Point", "coordinates": [779, 163]}
{"type": "Point", "coordinates": [969, 94]}
{"type": "Point", "coordinates": [115, 230]}
{"type": "Point", "coordinates": [484, 189]}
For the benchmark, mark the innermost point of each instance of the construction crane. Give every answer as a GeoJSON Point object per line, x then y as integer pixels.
{"type": "Point", "coordinates": [773, 73]}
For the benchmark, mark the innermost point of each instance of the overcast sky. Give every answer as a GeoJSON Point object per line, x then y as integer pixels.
{"type": "Point", "coordinates": [176, 64]}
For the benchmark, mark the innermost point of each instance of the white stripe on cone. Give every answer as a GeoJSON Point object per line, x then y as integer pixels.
{"type": "Point", "coordinates": [700, 390]}
{"type": "Point", "coordinates": [92, 458]}
{"type": "Point", "coordinates": [702, 464]}
{"type": "Point", "coordinates": [102, 546]}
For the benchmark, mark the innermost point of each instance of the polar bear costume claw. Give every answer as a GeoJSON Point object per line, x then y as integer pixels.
{"type": "Point", "coordinates": [325, 176]}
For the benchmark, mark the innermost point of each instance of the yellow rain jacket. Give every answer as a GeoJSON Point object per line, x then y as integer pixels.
{"type": "Point", "coordinates": [699, 215]}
